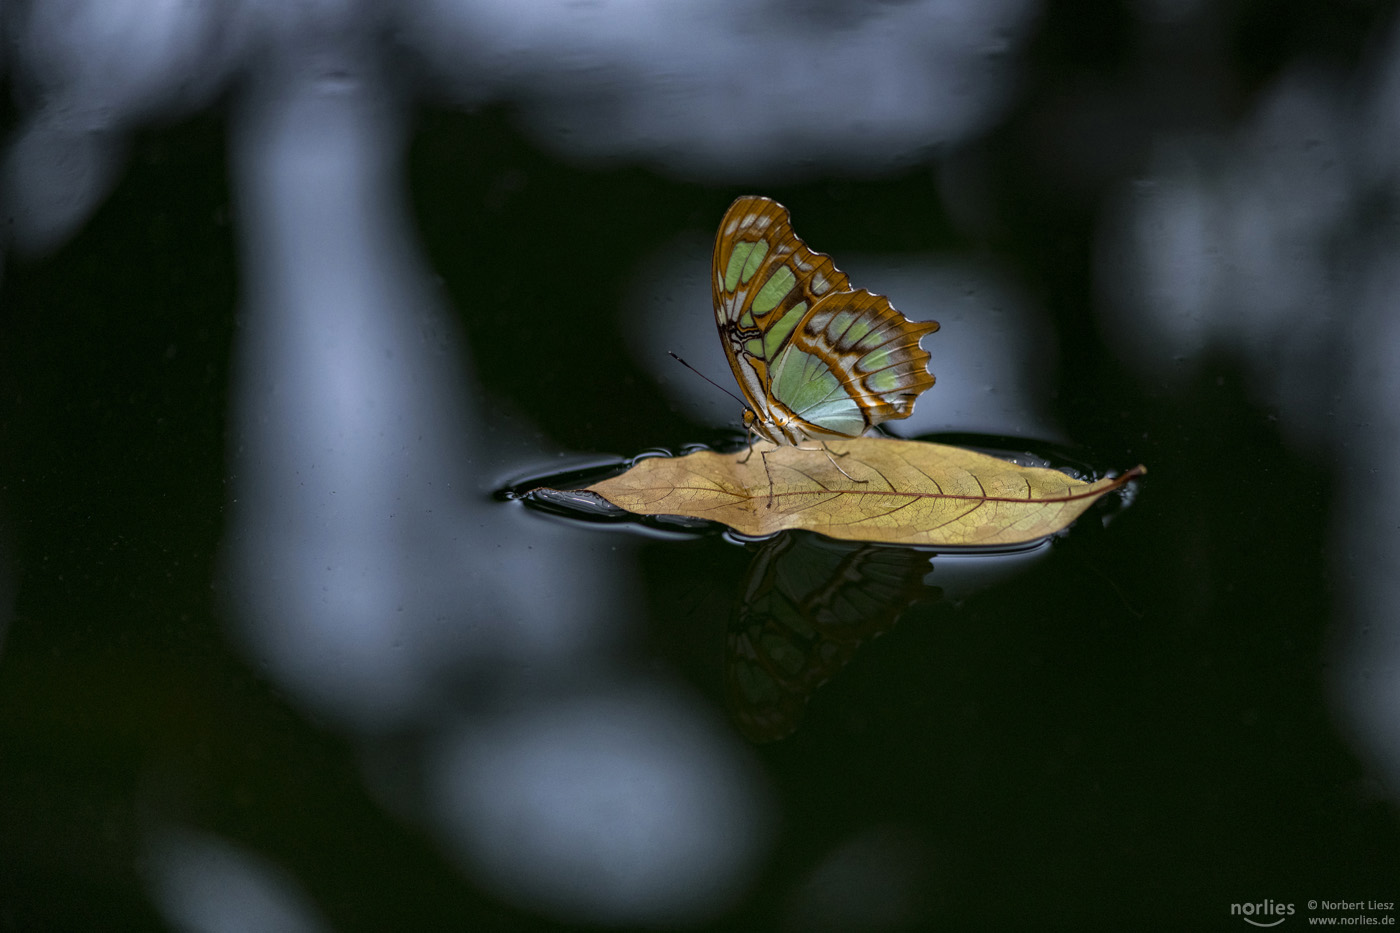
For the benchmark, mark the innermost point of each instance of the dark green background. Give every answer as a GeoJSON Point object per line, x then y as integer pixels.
{"type": "Point", "coordinates": [1132, 734]}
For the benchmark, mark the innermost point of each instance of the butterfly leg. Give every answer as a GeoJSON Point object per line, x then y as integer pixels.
{"type": "Point", "coordinates": [832, 457]}
{"type": "Point", "coordinates": [753, 439]}
{"type": "Point", "coordinates": [763, 454]}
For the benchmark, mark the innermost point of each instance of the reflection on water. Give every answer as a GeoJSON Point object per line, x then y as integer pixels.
{"type": "Point", "coordinates": [882, 878]}
{"type": "Point", "coordinates": [678, 85]}
{"type": "Point", "coordinates": [612, 806]}
{"type": "Point", "coordinates": [379, 585]}
{"type": "Point", "coordinates": [206, 884]}
{"type": "Point", "coordinates": [371, 587]}
{"type": "Point", "coordinates": [725, 88]}
{"type": "Point", "coordinates": [1274, 245]}
{"type": "Point", "coordinates": [808, 604]}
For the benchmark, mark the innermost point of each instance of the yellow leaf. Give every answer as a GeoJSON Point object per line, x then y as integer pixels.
{"type": "Point", "coordinates": [898, 492]}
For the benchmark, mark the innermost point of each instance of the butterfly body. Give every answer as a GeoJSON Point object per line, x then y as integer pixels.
{"type": "Point", "coordinates": [814, 358]}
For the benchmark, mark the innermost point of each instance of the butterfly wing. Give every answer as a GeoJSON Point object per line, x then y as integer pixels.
{"type": "Point", "coordinates": [756, 255]}
{"type": "Point", "coordinates": [853, 362]}
{"type": "Point", "coordinates": [812, 356]}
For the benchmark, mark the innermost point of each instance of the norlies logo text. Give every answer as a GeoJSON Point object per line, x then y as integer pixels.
{"type": "Point", "coordinates": [1265, 911]}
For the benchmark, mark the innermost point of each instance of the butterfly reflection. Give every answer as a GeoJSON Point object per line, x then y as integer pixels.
{"type": "Point", "coordinates": [808, 605]}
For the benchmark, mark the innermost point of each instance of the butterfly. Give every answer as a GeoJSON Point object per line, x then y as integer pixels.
{"type": "Point", "coordinates": [814, 358]}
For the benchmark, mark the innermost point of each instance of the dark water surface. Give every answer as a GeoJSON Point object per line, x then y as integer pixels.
{"type": "Point", "coordinates": [275, 652]}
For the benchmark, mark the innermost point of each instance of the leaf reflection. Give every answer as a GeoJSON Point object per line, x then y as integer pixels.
{"type": "Point", "coordinates": [807, 606]}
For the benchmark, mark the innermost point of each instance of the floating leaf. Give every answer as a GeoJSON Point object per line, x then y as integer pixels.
{"type": "Point", "coordinates": [897, 492]}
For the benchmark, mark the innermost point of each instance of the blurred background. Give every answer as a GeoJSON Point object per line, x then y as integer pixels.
{"type": "Point", "coordinates": [290, 293]}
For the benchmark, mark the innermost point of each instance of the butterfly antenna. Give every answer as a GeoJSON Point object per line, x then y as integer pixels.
{"type": "Point", "coordinates": [709, 380]}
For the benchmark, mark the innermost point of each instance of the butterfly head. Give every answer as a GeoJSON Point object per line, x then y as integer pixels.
{"type": "Point", "coordinates": [754, 425]}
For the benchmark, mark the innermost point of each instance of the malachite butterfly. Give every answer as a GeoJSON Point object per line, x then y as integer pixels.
{"type": "Point", "coordinates": [814, 358]}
